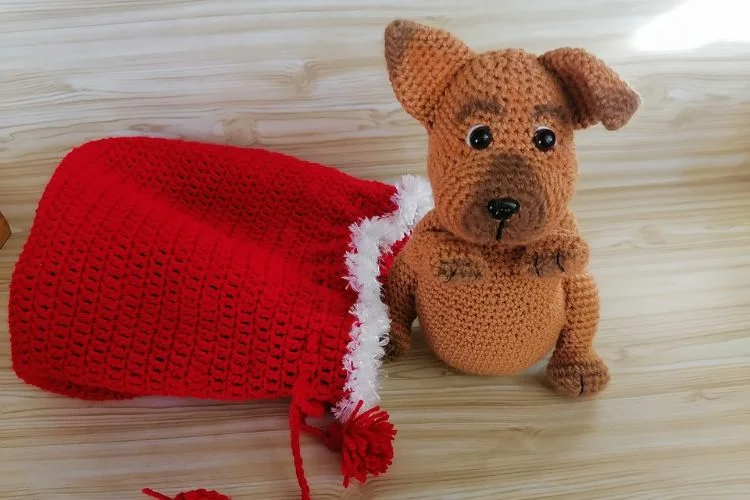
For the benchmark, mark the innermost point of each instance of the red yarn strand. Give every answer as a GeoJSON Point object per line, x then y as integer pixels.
{"type": "Point", "coordinates": [365, 442]}
{"type": "Point", "coordinates": [154, 494]}
{"type": "Point", "coordinates": [296, 423]}
{"type": "Point", "coordinates": [188, 495]}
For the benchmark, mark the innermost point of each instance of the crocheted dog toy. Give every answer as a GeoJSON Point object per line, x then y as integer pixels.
{"type": "Point", "coordinates": [167, 267]}
{"type": "Point", "coordinates": [497, 272]}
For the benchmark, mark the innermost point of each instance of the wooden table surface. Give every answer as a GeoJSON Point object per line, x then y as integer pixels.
{"type": "Point", "coordinates": [665, 204]}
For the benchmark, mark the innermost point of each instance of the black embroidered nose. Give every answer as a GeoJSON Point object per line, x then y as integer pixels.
{"type": "Point", "coordinates": [503, 208]}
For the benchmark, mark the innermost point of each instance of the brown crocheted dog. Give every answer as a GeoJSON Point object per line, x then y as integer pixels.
{"type": "Point", "coordinates": [497, 272]}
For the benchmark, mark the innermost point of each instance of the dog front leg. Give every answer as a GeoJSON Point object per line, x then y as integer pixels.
{"type": "Point", "coordinates": [575, 368]}
{"type": "Point", "coordinates": [399, 289]}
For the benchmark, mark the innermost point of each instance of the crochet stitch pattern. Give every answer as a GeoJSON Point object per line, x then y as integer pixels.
{"type": "Point", "coordinates": [497, 272]}
{"type": "Point", "coordinates": [172, 267]}
{"type": "Point", "coordinates": [169, 267]}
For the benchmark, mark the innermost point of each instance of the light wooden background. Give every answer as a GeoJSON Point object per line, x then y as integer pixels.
{"type": "Point", "coordinates": [665, 204]}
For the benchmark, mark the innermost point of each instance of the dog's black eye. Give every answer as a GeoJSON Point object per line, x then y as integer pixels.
{"type": "Point", "coordinates": [544, 139]}
{"type": "Point", "coordinates": [479, 137]}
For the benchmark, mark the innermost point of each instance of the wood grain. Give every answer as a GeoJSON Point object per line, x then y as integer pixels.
{"type": "Point", "coordinates": [663, 202]}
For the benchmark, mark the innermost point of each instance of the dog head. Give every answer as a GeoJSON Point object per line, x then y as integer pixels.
{"type": "Point", "coordinates": [500, 126]}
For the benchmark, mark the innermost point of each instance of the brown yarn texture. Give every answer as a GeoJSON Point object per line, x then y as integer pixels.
{"type": "Point", "coordinates": [494, 301]}
{"type": "Point", "coordinates": [4, 231]}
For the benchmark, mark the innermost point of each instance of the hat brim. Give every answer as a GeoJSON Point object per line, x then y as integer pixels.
{"type": "Point", "coordinates": [372, 239]}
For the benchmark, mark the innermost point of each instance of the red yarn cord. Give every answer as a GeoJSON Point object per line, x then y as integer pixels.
{"type": "Point", "coordinates": [313, 431]}
{"type": "Point", "coordinates": [188, 495]}
{"type": "Point", "coordinates": [364, 441]}
{"type": "Point", "coordinates": [154, 494]}
{"type": "Point", "coordinates": [296, 424]}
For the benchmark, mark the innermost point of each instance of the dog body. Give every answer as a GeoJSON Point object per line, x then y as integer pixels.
{"type": "Point", "coordinates": [473, 302]}
{"type": "Point", "coordinates": [497, 272]}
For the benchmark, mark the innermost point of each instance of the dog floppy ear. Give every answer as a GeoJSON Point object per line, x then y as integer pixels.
{"type": "Point", "coordinates": [421, 60]}
{"type": "Point", "coordinates": [597, 92]}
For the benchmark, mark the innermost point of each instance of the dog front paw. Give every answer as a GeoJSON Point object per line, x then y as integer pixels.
{"type": "Point", "coordinates": [459, 271]}
{"type": "Point", "coordinates": [580, 378]}
{"type": "Point", "coordinates": [562, 254]}
{"type": "Point", "coordinates": [399, 342]}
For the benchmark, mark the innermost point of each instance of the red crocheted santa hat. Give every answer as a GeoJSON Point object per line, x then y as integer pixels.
{"type": "Point", "coordinates": [166, 267]}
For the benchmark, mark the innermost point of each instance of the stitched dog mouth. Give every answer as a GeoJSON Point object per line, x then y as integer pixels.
{"type": "Point", "coordinates": [500, 227]}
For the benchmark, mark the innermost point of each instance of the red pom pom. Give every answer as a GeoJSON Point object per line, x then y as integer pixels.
{"type": "Point", "coordinates": [365, 442]}
{"type": "Point", "coordinates": [189, 495]}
